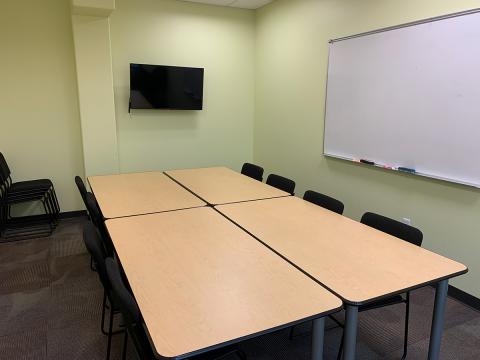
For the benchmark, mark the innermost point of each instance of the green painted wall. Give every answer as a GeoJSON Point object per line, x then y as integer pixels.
{"type": "Point", "coordinates": [170, 32]}
{"type": "Point", "coordinates": [93, 59]}
{"type": "Point", "coordinates": [39, 120]}
{"type": "Point", "coordinates": [291, 69]}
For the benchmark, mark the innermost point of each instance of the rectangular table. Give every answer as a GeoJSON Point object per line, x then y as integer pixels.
{"type": "Point", "coordinates": [140, 193]}
{"type": "Point", "coordinates": [201, 282]}
{"type": "Point", "coordinates": [358, 263]}
{"type": "Point", "coordinates": [221, 185]}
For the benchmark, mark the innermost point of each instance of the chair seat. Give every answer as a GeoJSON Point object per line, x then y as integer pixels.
{"type": "Point", "coordinates": [397, 299]}
{"type": "Point", "coordinates": [31, 185]}
{"type": "Point", "coordinates": [15, 198]}
{"type": "Point", "coordinates": [24, 191]}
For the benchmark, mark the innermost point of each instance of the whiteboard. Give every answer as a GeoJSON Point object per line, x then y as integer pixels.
{"type": "Point", "coordinates": [409, 97]}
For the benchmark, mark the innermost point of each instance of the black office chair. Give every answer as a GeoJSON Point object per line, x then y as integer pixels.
{"type": "Point", "coordinates": [253, 171]}
{"type": "Point", "coordinates": [97, 220]}
{"type": "Point", "coordinates": [328, 203]}
{"type": "Point", "coordinates": [12, 193]}
{"type": "Point", "coordinates": [82, 189]}
{"type": "Point", "coordinates": [393, 227]}
{"type": "Point", "coordinates": [134, 323]}
{"type": "Point", "coordinates": [406, 233]}
{"type": "Point", "coordinates": [95, 247]}
{"type": "Point", "coordinates": [324, 201]}
{"type": "Point", "coordinates": [24, 189]}
{"type": "Point", "coordinates": [281, 183]}
{"type": "Point", "coordinates": [83, 193]}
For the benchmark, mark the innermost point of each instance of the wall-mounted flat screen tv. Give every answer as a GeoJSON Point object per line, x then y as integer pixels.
{"type": "Point", "coordinates": [166, 87]}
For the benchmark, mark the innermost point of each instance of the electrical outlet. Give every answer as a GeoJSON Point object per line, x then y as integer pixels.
{"type": "Point", "coordinates": [407, 221]}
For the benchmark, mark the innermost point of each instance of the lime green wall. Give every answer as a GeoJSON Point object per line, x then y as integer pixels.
{"type": "Point", "coordinates": [291, 68]}
{"type": "Point", "coordinates": [39, 121]}
{"type": "Point", "coordinates": [91, 35]}
{"type": "Point", "coordinates": [170, 32]}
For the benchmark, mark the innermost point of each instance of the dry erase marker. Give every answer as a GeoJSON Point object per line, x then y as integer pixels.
{"type": "Point", "coordinates": [405, 169]}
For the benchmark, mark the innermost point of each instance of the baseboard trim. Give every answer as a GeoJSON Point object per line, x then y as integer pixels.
{"type": "Point", "coordinates": [464, 297]}
{"type": "Point", "coordinates": [73, 214]}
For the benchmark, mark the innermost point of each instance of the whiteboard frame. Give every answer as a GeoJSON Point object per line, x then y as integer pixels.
{"type": "Point", "coordinates": [395, 27]}
{"type": "Point", "coordinates": [380, 166]}
{"type": "Point", "coordinates": [412, 23]}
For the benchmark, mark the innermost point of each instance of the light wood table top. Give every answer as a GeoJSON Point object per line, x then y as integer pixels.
{"type": "Point", "coordinates": [221, 185]}
{"type": "Point", "coordinates": [201, 281]}
{"type": "Point", "coordinates": [355, 261]}
{"type": "Point", "coordinates": [140, 193]}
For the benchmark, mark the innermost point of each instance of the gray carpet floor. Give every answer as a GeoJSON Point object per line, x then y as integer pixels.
{"type": "Point", "coordinates": [50, 308]}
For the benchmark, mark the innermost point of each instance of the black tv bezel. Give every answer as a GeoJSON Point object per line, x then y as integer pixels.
{"type": "Point", "coordinates": [163, 108]}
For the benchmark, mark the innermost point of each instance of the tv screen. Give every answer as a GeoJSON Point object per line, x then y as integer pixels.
{"type": "Point", "coordinates": [165, 87]}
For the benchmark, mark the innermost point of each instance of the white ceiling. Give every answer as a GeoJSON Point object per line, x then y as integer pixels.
{"type": "Point", "coordinates": [246, 4]}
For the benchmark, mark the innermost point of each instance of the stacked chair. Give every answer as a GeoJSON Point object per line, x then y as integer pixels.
{"type": "Point", "coordinates": [12, 193]}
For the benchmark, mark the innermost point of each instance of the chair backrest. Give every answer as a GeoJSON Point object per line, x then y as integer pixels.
{"type": "Point", "coordinates": [81, 188]}
{"type": "Point", "coordinates": [93, 209]}
{"type": "Point", "coordinates": [324, 201]}
{"type": "Point", "coordinates": [393, 227]}
{"type": "Point", "coordinates": [253, 171]}
{"type": "Point", "coordinates": [126, 303]}
{"type": "Point", "coordinates": [3, 180]}
{"type": "Point", "coordinates": [97, 219]}
{"type": "Point", "coordinates": [281, 183]}
{"type": "Point", "coordinates": [94, 244]}
{"type": "Point", "coordinates": [5, 173]}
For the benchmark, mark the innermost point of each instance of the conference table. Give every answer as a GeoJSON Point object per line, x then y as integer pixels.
{"type": "Point", "coordinates": [140, 193]}
{"type": "Point", "coordinates": [202, 283]}
{"type": "Point", "coordinates": [354, 261]}
{"type": "Point", "coordinates": [221, 185]}
{"type": "Point", "coordinates": [186, 250]}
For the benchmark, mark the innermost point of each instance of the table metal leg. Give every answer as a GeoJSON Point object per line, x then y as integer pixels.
{"type": "Point", "coordinates": [351, 325]}
{"type": "Point", "coordinates": [317, 338]}
{"type": "Point", "coordinates": [438, 319]}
